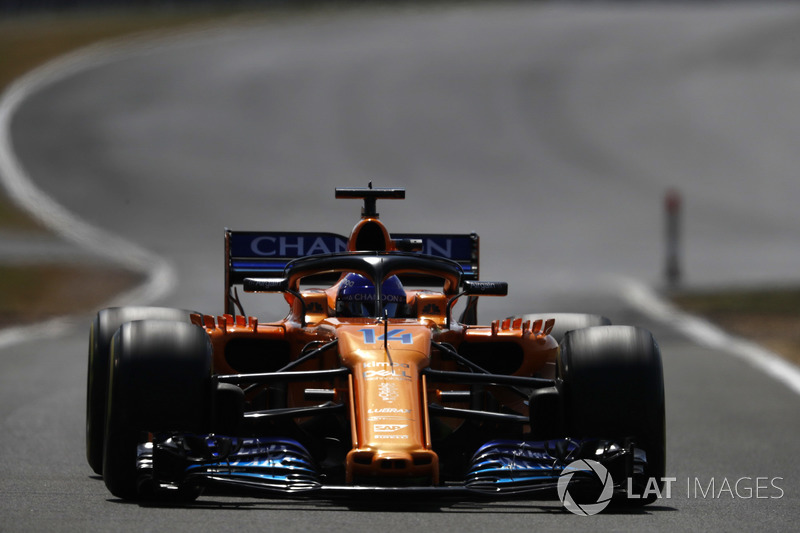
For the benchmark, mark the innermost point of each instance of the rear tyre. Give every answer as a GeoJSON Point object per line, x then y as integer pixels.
{"type": "Point", "coordinates": [613, 387]}
{"type": "Point", "coordinates": [105, 324]}
{"type": "Point", "coordinates": [160, 381]}
{"type": "Point", "coordinates": [566, 322]}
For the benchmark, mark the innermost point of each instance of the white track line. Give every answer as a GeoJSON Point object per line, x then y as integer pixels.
{"type": "Point", "coordinates": [702, 332]}
{"type": "Point", "coordinates": [159, 274]}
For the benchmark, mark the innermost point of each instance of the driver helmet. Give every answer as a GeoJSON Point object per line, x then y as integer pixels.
{"type": "Point", "coordinates": [356, 297]}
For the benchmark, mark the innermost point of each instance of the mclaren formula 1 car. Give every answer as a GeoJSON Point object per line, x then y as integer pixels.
{"type": "Point", "coordinates": [378, 379]}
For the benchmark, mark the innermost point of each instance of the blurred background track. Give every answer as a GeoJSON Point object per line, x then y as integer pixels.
{"type": "Point", "coordinates": [553, 131]}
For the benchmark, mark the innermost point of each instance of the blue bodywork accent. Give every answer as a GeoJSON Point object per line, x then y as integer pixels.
{"type": "Point", "coordinates": [273, 460]}
{"type": "Point", "coordinates": [502, 465]}
{"type": "Point", "coordinates": [284, 465]}
{"type": "Point", "coordinates": [508, 466]}
{"type": "Point", "coordinates": [259, 266]}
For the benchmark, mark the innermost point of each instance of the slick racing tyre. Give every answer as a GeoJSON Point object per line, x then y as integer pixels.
{"type": "Point", "coordinates": [105, 324]}
{"type": "Point", "coordinates": [160, 380]}
{"type": "Point", "coordinates": [566, 322]}
{"type": "Point", "coordinates": [613, 388]}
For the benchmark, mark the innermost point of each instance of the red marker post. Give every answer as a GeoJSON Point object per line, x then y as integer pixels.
{"type": "Point", "coordinates": [673, 206]}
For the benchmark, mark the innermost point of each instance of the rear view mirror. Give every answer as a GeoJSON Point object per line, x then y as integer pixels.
{"type": "Point", "coordinates": [486, 288]}
{"type": "Point", "coordinates": [265, 284]}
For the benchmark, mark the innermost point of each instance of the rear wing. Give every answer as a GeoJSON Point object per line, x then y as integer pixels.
{"type": "Point", "coordinates": [250, 254]}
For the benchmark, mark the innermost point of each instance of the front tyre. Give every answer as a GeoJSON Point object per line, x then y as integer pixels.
{"type": "Point", "coordinates": [613, 386]}
{"type": "Point", "coordinates": [105, 324]}
{"type": "Point", "coordinates": [160, 380]}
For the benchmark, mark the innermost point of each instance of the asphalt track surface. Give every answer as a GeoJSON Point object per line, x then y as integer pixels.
{"type": "Point", "coordinates": [552, 131]}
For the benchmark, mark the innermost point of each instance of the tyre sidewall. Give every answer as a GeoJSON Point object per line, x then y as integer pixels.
{"type": "Point", "coordinates": [160, 380]}
{"type": "Point", "coordinates": [613, 385]}
{"type": "Point", "coordinates": [103, 328]}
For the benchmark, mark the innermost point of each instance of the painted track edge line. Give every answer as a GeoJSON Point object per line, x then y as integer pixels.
{"type": "Point", "coordinates": [159, 273]}
{"type": "Point", "coordinates": [647, 301]}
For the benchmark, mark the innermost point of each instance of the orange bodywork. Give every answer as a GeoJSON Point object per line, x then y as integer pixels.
{"type": "Point", "coordinates": [391, 430]}
{"type": "Point", "coordinates": [385, 394]}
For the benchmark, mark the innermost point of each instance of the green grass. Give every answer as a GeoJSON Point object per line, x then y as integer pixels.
{"type": "Point", "coordinates": [35, 292]}
{"type": "Point", "coordinates": [768, 316]}
{"type": "Point", "coordinates": [782, 302]}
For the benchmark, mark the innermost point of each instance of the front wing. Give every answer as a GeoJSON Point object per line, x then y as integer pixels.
{"type": "Point", "coordinates": [283, 466]}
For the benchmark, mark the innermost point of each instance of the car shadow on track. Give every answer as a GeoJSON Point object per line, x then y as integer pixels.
{"type": "Point", "coordinates": [379, 504]}
{"type": "Point", "coordinates": [402, 505]}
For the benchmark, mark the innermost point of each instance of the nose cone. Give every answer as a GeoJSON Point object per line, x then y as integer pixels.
{"type": "Point", "coordinates": [418, 467]}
